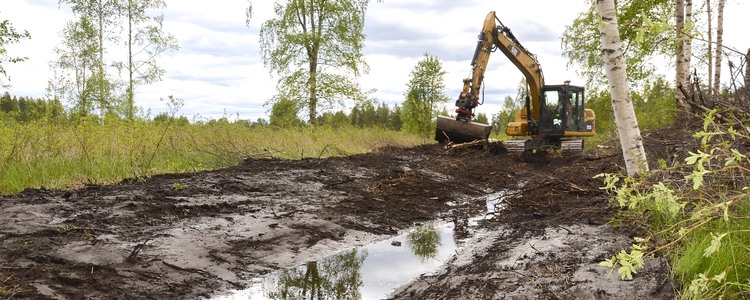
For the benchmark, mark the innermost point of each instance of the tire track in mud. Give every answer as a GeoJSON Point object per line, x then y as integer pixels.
{"type": "Point", "coordinates": [190, 236]}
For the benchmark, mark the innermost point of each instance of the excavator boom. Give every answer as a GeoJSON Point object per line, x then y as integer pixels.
{"type": "Point", "coordinates": [547, 115]}
{"type": "Point", "coordinates": [491, 38]}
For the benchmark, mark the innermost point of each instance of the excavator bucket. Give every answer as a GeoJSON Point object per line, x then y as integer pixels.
{"type": "Point", "coordinates": [450, 130]}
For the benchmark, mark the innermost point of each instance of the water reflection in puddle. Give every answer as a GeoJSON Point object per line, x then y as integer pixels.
{"type": "Point", "coordinates": [494, 202]}
{"type": "Point", "coordinates": [370, 272]}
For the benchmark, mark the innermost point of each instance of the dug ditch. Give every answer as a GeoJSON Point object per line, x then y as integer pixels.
{"type": "Point", "coordinates": [198, 236]}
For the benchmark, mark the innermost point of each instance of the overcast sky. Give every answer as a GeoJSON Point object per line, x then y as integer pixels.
{"type": "Point", "coordinates": [218, 68]}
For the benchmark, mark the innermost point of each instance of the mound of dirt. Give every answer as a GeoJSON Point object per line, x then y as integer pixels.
{"type": "Point", "coordinates": [191, 236]}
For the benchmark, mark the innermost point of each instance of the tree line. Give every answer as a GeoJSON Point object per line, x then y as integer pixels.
{"type": "Point", "coordinates": [26, 109]}
{"type": "Point", "coordinates": [317, 59]}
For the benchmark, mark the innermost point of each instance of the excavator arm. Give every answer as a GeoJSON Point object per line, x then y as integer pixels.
{"type": "Point", "coordinates": [495, 36]}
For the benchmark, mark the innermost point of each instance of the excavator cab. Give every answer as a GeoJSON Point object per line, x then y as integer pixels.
{"type": "Point", "coordinates": [562, 122]}
{"type": "Point", "coordinates": [561, 110]}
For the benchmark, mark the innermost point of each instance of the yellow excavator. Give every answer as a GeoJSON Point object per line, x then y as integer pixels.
{"type": "Point", "coordinates": [553, 116]}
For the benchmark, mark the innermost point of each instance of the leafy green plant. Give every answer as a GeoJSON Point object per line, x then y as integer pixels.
{"type": "Point", "coordinates": [629, 262]}
{"type": "Point", "coordinates": [178, 186]}
{"type": "Point", "coordinates": [694, 213]}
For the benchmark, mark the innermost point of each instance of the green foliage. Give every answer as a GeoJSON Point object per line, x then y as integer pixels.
{"type": "Point", "coordinates": [654, 106]}
{"type": "Point", "coordinates": [87, 75]}
{"type": "Point", "coordinates": [9, 35]}
{"type": "Point", "coordinates": [425, 92]}
{"type": "Point", "coordinates": [335, 277]}
{"type": "Point", "coordinates": [481, 118]}
{"type": "Point", "coordinates": [696, 214]}
{"type": "Point", "coordinates": [146, 41]}
{"type": "Point", "coordinates": [316, 49]}
{"type": "Point", "coordinates": [506, 114]}
{"type": "Point", "coordinates": [73, 153]}
{"type": "Point", "coordinates": [367, 115]}
{"type": "Point", "coordinates": [629, 262]}
{"type": "Point", "coordinates": [284, 113]}
{"type": "Point", "coordinates": [77, 64]}
{"type": "Point", "coordinates": [424, 241]}
{"type": "Point", "coordinates": [178, 186]}
{"type": "Point", "coordinates": [98, 25]}
{"type": "Point", "coordinates": [581, 40]}
{"type": "Point", "coordinates": [165, 118]}
{"type": "Point", "coordinates": [13, 109]}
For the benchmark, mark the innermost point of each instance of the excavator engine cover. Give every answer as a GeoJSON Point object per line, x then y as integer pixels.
{"type": "Point", "coordinates": [450, 130]}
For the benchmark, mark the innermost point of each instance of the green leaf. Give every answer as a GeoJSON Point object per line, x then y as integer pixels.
{"type": "Point", "coordinates": [709, 119]}
{"type": "Point", "coordinates": [697, 177]}
{"type": "Point", "coordinates": [682, 232]}
{"type": "Point", "coordinates": [608, 263]}
{"type": "Point", "coordinates": [726, 212]}
{"type": "Point", "coordinates": [626, 272]}
{"type": "Point", "coordinates": [639, 36]}
{"type": "Point", "coordinates": [715, 244]}
{"type": "Point", "coordinates": [693, 158]}
{"type": "Point", "coordinates": [720, 277]}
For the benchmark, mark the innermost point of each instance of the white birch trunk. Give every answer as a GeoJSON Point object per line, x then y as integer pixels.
{"type": "Point", "coordinates": [710, 49]}
{"type": "Point", "coordinates": [688, 44]}
{"type": "Point", "coordinates": [680, 70]}
{"type": "Point", "coordinates": [719, 41]}
{"type": "Point", "coordinates": [631, 141]}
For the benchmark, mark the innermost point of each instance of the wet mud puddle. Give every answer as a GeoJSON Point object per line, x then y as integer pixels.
{"type": "Point", "coordinates": [369, 272]}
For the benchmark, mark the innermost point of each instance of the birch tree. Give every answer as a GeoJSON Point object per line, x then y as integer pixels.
{"type": "Point", "coordinates": [104, 15]}
{"type": "Point", "coordinates": [719, 41]}
{"type": "Point", "coordinates": [688, 48]}
{"type": "Point", "coordinates": [680, 76]}
{"type": "Point", "coordinates": [315, 46]}
{"type": "Point", "coordinates": [146, 40]}
{"type": "Point", "coordinates": [580, 40]}
{"type": "Point", "coordinates": [710, 37]}
{"type": "Point", "coordinates": [425, 91]}
{"type": "Point", "coordinates": [683, 16]}
{"type": "Point", "coordinates": [9, 35]}
{"type": "Point", "coordinates": [631, 141]}
{"type": "Point", "coordinates": [78, 55]}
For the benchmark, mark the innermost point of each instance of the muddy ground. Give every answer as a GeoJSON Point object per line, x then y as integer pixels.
{"type": "Point", "coordinates": [195, 236]}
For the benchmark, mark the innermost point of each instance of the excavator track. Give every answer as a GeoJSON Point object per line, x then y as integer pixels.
{"type": "Point", "coordinates": [520, 145]}
{"type": "Point", "coordinates": [572, 145]}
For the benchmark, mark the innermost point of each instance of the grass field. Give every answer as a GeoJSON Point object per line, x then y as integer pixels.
{"type": "Point", "coordinates": [71, 155]}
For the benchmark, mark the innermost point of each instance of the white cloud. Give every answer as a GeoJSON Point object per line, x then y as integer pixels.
{"type": "Point", "coordinates": [219, 70]}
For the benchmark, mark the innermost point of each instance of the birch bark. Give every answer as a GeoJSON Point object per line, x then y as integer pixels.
{"type": "Point", "coordinates": [631, 141]}
{"type": "Point", "coordinates": [719, 41]}
{"type": "Point", "coordinates": [681, 72]}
